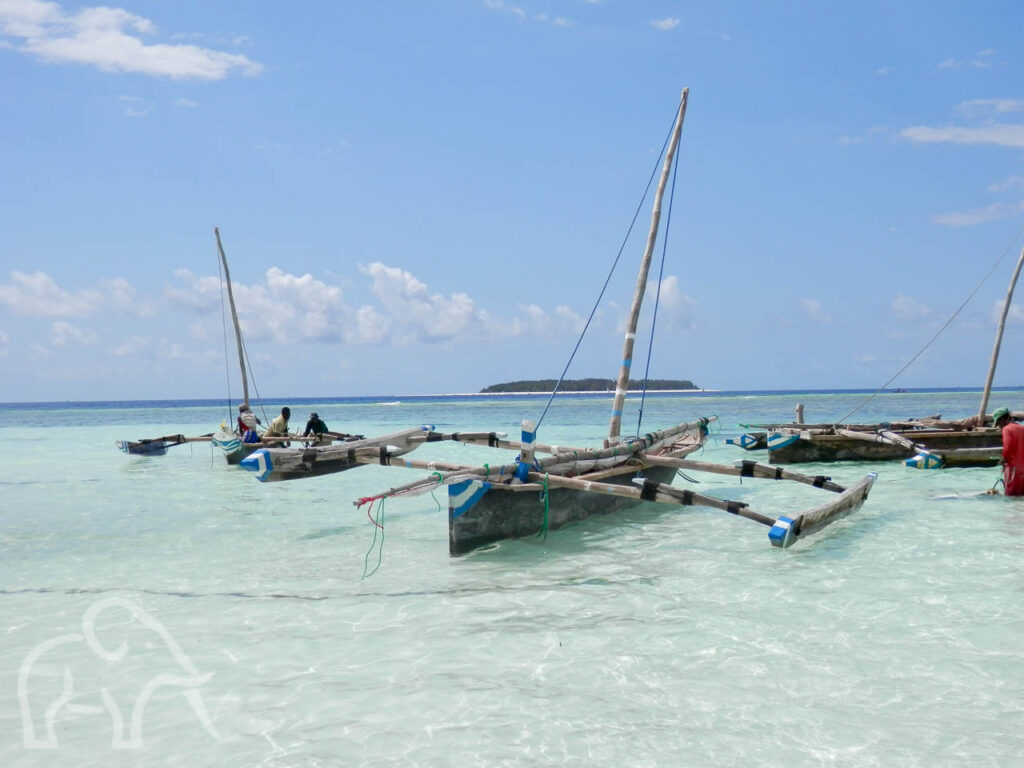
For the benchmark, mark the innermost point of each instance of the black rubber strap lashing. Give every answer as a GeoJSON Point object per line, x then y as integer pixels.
{"type": "Point", "coordinates": [433, 437]}
{"type": "Point", "coordinates": [455, 436]}
{"type": "Point", "coordinates": [778, 473]}
{"type": "Point", "coordinates": [820, 480]}
{"type": "Point", "coordinates": [747, 468]}
{"type": "Point", "coordinates": [351, 456]}
{"type": "Point", "coordinates": [734, 507]}
{"type": "Point", "coordinates": [649, 490]}
{"type": "Point", "coordinates": [687, 498]}
{"type": "Point", "coordinates": [492, 440]}
{"type": "Point", "coordinates": [385, 457]}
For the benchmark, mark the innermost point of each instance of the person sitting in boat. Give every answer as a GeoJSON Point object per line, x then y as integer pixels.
{"type": "Point", "coordinates": [279, 426]}
{"type": "Point", "coordinates": [316, 426]}
{"type": "Point", "coordinates": [1013, 452]}
{"type": "Point", "coordinates": [247, 422]}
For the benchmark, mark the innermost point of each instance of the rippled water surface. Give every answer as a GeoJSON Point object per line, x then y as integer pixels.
{"type": "Point", "coordinates": [657, 637]}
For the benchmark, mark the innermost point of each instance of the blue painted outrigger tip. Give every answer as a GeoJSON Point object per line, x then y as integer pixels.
{"type": "Point", "coordinates": [924, 460]}
{"type": "Point", "coordinates": [259, 462]}
{"type": "Point", "coordinates": [782, 533]}
{"type": "Point", "coordinates": [778, 440]}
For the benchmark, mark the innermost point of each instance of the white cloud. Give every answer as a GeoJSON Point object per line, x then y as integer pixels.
{"type": "Point", "coordinates": [130, 347]}
{"type": "Point", "coordinates": [5, 341]}
{"type": "Point", "coordinates": [500, 5]}
{"type": "Point", "coordinates": [676, 309]}
{"type": "Point", "coordinates": [882, 71]}
{"type": "Point", "coordinates": [65, 334]}
{"type": "Point", "coordinates": [999, 135]}
{"type": "Point", "coordinates": [665, 24]}
{"type": "Point", "coordinates": [814, 311]}
{"type": "Point", "coordinates": [185, 103]}
{"type": "Point", "coordinates": [37, 295]}
{"type": "Point", "coordinates": [994, 212]}
{"type": "Point", "coordinates": [1014, 317]}
{"type": "Point", "coordinates": [976, 107]}
{"type": "Point", "coordinates": [417, 315]}
{"type": "Point", "coordinates": [109, 39]}
{"type": "Point", "coordinates": [907, 308]}
{"type": "Point", "coordinates": [1007, 184]}
{"type": "Point", "coordinates": [846, 141]}
{"type": "Point", "coordinates": [981, 60]}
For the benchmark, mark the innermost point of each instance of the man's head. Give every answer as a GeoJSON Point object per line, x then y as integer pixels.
{"type": "Point", "coordinates": [314, 416]}
{"type": "Point", "coordinates": [286, 412]}
{"type": "Point", "coordinates": [243, 408]}
{"type": "Point", "coordinates": [1001, 416]}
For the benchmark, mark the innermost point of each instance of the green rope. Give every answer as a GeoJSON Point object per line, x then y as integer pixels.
{"type": "Point", "coordinates": [543, 533]}
{"type": "Point", "coordinates": [487, 472]}
{"type": "Point", "coordinates": [380, 549]}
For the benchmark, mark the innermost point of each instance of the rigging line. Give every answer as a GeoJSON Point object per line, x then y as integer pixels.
{"type": "Point", "coordinates": [607, 280]}
{"type": "Point", "coordinates": [938, 332]}
{"type": "Point", "coordinates": [224, 332]}
{"type": "Point", "coordinates": [657, 295]}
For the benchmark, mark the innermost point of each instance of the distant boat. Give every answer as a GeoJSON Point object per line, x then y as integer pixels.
{"type": "Point", "coordinates": [493, 502]}
{"type": "Point", "coordinates": [928, 443]}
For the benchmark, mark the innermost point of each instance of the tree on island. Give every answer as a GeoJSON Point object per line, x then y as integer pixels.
{"type": "Point", "coordinates": [585, 385]}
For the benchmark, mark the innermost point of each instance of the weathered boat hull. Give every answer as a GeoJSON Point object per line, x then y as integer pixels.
{"type": "Point", "coordinates": [479, 514]}
{"type": "Point", "coordinates": [232, 446]}
{"type": "Point", "coordinates": [274, 464]}
{"type": "Point", "coordinates": [829, 448]}
{"type": "Point", "coordinates": [143, 448]}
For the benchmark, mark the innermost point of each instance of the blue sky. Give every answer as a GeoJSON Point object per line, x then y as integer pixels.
{"type": "Point", "coordinates": [425, 197]}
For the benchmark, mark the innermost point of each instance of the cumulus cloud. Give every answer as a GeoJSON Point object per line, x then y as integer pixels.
{"type": "Point", "coordinates": [1014, 317]}
{"type": "Point", "coordinates": [994, 212]}
{"type": "Point", "coordinates": [814, 311]}
{"type": "Point", "coordinates": [130, 347]}
{"type": "Point", "coordinates": [907, 308]}
{"type": "Point", "coordinates": [500, 5]}
{"type": "Point", "coordinates": [109, 39]}
{"type": "Point", "coordinates": [1007, 184]}
{"type": "Point", "coordinates": [981, 60]}
{"type": "Point", "coordinates": [1001, 135]}
{"type": "Point", "coordinates": [37, 295]}
{"type": "Point", "coordinates": [665, 24]}
{"type": "Point", "coordinates": [66, 335]}
{"type": "Point", "coordinates": [5, 342]}
{"type": "Point", "coordinates": [676, 310]}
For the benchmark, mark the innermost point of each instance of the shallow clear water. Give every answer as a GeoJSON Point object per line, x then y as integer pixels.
{"type": "Point", "coordinates": [656, 637]}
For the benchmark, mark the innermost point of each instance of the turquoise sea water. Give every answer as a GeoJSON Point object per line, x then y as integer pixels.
{"type": "Point", "coordinates": [657, 637]}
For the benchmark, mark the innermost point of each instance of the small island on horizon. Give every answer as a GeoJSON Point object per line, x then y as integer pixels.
{"type": "Point", "coordinates": [586, 385]}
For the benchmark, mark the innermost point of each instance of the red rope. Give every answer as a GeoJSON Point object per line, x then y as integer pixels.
{"type": "Point", "coordinates": [369, 514]}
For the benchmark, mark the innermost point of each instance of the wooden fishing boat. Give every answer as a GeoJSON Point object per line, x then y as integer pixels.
{"type": "Point", "coordinates": [157, 446]}
{"type": "Point", "coordinates": [534, 494]}
{"type": "Point", "coordinates": [928, 443]}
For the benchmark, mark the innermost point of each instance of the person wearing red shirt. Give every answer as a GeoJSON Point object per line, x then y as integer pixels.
{"type": "Point", "coordinates": [1013, 452]}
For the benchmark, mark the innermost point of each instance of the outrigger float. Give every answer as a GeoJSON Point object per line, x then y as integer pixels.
{"type": "Point", "coordinates": [490, 503]}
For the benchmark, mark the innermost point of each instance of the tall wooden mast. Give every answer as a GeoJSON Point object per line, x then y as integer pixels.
{"type": "Point", "coordinates": [622, 384]}
{"type": "Point", "coordinates": [999, 340]}
{"type": "Point", "coordinates": [234, 319]}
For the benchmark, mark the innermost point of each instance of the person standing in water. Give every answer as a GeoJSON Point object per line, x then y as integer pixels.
{"type": "Point", "coordinates": [1013, 452]}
